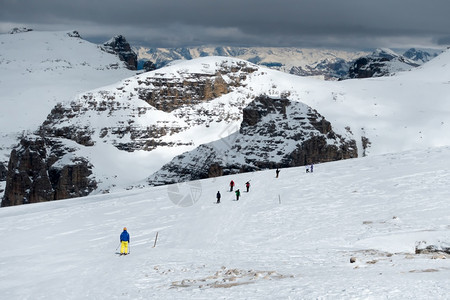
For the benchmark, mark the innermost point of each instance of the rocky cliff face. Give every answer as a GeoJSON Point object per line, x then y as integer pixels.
{"type": "Point", "coordinates": [68, 122]}
{"type": "Point", "coordinates": [171, 103]}
{"type": "Point", "coordinates": [274, 133]}
{"type": "Point", "coordinates": [119, 45]}
{"type": "Point", "coordinates": [168, 93]}
{"type": "Point", "coordinates": [3, 171]}
{"type": "Point", "coordinates": [44, 169]}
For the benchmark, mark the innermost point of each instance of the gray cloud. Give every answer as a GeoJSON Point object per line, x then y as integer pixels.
{"type": "Point", "coordinates": [445, 40]}
{"type": "Point", "coordinates": [301, 23]}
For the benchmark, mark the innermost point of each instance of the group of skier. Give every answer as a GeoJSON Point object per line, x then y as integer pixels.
{"type": "Point", "coordinates": [237, 192]}
{"type": "Point", "coordinates": [125, 236]}
{"type": "Point", "coordinates": [247, 184]}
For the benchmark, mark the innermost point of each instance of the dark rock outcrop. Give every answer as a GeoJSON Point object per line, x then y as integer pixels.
{"type": "Point", "coordinates": [119, 45]}
{"type": "Point", "coordinates": [3, 171]}
{"type": "Point", "coordinates": [16, 30]}
{"type": "Point", "coordinates": [274, 133]}
{"type": "Point", "coordinates": [382, 62]}
{"type": "Point", "coordinates": [74, 34]}
{"type": "Point", "coordinates": [149, 66]}
{"type": "Point", "coordinates": [35, 173]}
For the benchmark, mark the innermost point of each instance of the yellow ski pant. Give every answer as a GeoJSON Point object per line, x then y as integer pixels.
{"type": "Point", "coordinates": [124, 247]}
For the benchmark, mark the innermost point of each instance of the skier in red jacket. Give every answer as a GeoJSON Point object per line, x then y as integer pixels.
{"type": "Point", "coordinates": [231, 185]}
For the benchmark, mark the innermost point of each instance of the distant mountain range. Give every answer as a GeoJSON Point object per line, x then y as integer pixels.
{"type": "Point", "coordinates": [326, 64]}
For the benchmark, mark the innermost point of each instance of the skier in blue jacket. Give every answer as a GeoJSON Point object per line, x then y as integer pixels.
{"type": "Point", "coordinates": [124, 240]}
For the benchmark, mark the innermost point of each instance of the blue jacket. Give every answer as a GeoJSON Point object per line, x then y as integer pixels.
{"type": "Point", "coordinates": [124, 236]}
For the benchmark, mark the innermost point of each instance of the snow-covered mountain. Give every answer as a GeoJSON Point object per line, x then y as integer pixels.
{"type": "Point", "coordinates": [118, 45]}
{"type": "Point", "coordinates": [40, 69]}
{"type": "Point", "coordinates": [383, 62]}
{"type": "Point", "coordinates": [420, 56]}
{"type": "Point", "coordinates": [121, 134]}
{"type": "Point", "coordinates": [115, 137]}
{"type": "Point", "coordinates": [288, 238]}
{"type": "Point", "coordinates": [327, 64]}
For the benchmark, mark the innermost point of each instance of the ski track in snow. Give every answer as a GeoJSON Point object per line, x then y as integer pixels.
{"type": "Point", "coordinates": [290, 237]}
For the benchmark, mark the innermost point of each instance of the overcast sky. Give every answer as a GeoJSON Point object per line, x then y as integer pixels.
{"type": "Point", "coordinates": [344, 24]}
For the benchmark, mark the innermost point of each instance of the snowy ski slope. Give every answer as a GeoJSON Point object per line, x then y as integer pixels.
{"type": "Point", "coordinates": [288, 238]}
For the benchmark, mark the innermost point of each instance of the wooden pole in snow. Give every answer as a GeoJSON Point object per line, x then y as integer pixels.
{"type": "Point", "coordinates": [156, 238]}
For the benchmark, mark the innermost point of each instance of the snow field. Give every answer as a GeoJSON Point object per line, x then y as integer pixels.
{"type": "Point", "coordinates": [288, 237]}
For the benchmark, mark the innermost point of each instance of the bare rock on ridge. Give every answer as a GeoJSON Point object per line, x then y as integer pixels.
{"type": "Point", "coordinates": [3, 171]}
{"type": "Point", "coordinates": [273, 133]}
{"type": "Point", "coordinates": [119, 45]}
{"type": "Point", "coordinates": [35, 174]}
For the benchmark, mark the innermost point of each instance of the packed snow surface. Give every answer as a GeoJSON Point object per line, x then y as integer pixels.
{"type": "Point", "coordinates": [290, 237]}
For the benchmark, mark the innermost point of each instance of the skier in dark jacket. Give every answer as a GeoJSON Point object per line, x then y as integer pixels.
{"type": "Point", "coordinates": [231, 185]}
{"type": "Point", "coordinates": [124, 240]}
{"type": "Point", "coordinates": [277, 172]}
{"type": "Point", "coordinates": [247, 185]}
{"type": "Point", "coordinates": [238, 194]}
{"type": "Point", "coordinates": [218, 197]}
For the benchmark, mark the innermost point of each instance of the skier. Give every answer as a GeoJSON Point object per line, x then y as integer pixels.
{"type": "Point", "coordinates": [238, 193]}
{"type": "Point", "coordinates": [218, 197]}
{"type": "Point", "coordinates": [312, 166]}
{"type": "Point", "coordinates": [231, 185]}
{"type": "Point", "coordinates": [278, 172]}
{"type": "Point", "coordinates": [247, 185]}
{"type": "Point", "coordinates": [124, 240]}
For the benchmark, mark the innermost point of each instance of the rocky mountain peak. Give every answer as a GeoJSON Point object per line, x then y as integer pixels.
{"type": "Point", "coordinates": [418, 55]}
{"type": "Point", "coordinates": [382, 62]}
{"type": "Point", "coordinates": [119, 45]}
{"type": "Point", "coordinates": [385, 53]}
